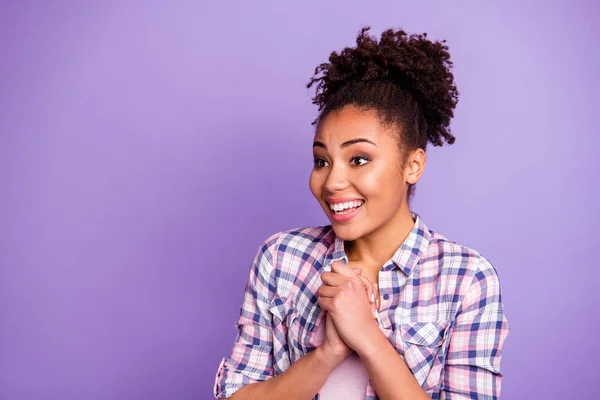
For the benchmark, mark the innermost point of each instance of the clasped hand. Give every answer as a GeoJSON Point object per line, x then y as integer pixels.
{"type": "Point", "coordinates": [350, 304]}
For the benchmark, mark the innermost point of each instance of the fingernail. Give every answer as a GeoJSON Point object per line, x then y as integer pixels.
{"type": "Point", "coordinates": [372, 297]}
{"type": "Point", "coordinates": [376, 314]}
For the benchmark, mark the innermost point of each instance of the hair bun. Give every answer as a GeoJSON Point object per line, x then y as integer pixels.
{"type": "Point", "coordinates": [412, 62]}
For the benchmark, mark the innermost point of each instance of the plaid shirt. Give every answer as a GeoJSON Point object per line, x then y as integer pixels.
{"type": "Point", "coordinates": [440, 308]}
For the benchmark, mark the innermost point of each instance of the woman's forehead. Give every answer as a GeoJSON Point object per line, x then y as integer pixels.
{"type": "Point", "coordinates": [351, 123]}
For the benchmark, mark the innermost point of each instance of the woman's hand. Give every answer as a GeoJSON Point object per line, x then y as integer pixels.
{"type": "Point", "coordinates": [346, 295]}
{"type": "Point", "coordinates": [333, 344]}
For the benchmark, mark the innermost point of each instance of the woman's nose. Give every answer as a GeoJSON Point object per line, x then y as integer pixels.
{"type": "Point", "coordinates": [336, 180]}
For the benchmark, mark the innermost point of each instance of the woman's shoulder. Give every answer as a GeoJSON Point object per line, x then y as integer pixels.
{"type": "Point", "coordinates": [458, 259]}
{"type": "Point", "coordinates": [292, 256]}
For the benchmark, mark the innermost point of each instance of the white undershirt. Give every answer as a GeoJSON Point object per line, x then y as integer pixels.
{"type": "Point", "coordinates": [349, 380]}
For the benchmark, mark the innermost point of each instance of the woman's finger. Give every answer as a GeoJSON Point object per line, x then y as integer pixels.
{"type": "Point", "coordinates": [327, 291]}
{"type": "Point", "coordinates": [371, 294]}
{"type": "Point", "coordinates": [343, 269]}
{"type": "Point", "coordinates": [369, 287]}
{"type": "Point", "coordinates": [325, 303]}
{"type": "Point", "coordinates": [332, 279]}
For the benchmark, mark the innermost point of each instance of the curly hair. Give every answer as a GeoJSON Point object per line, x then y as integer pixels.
{"type": "Point", "coordinates": [406, 79]}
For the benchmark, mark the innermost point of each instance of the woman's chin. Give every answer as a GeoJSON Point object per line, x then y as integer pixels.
{"type": "Point", "coordinates": [347, 233]}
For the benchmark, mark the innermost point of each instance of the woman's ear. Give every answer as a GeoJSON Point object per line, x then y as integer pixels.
{"type": "Point", "coordinates": [415, 166]}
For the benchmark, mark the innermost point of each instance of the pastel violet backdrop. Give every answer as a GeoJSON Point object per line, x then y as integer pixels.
{"type": "Point", "coordinates": [148, 148]}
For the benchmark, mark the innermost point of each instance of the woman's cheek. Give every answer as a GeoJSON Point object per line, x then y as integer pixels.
{"type": "Point", "coordinates": [312, 184]}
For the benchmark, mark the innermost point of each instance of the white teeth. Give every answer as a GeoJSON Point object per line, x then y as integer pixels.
{"type": "Point", "coordinates": [344, 206]}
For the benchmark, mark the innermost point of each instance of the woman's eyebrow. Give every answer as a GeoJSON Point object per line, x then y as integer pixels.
{"type": "Point", "coordinates": [345, 144]}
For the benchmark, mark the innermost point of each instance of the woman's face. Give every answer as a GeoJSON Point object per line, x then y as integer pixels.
{"type": "Point", "coordinates": [358, 171]}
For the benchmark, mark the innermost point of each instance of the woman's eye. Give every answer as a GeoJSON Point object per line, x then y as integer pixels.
{"type": "Point", "coordinates": [359, 160]}
{"type": "Point", "coordinates": [320, 163]}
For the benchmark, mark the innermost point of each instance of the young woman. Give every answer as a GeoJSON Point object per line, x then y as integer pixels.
{"type": "Point", "coordinates": [374, 305]}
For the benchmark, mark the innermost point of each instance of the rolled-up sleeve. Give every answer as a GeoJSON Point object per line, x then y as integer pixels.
{"type": "Point", "coordinates": [251, 359]}
{"type": "Point", "coordinates": [472, 367]}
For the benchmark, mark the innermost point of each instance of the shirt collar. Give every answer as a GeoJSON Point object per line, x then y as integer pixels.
{"type": "Point", "coordinates": [405, 258]}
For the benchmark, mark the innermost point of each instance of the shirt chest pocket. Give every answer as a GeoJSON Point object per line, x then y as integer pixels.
{"type": "Point", "coordinates": [423, 346]}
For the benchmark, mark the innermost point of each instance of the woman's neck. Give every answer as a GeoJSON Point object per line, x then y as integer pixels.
{"type": "Point", "coordinates": [376, 248]}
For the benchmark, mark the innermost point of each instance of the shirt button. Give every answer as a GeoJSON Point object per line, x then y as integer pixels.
{"type": "Point", "coordinates": [386, 296]}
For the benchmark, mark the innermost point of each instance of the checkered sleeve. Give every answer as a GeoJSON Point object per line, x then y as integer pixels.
{"type": "Point", "coordinates": [472, 368]}
{"type": "Point", "coordinates": [251, 358]}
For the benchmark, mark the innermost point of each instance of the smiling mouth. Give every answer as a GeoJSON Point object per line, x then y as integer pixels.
{"type": "Point", "coordinates": [345, 208]}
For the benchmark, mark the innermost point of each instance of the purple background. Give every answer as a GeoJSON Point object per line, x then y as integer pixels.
{"type": "Point", "coordinates": [148, 148]}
